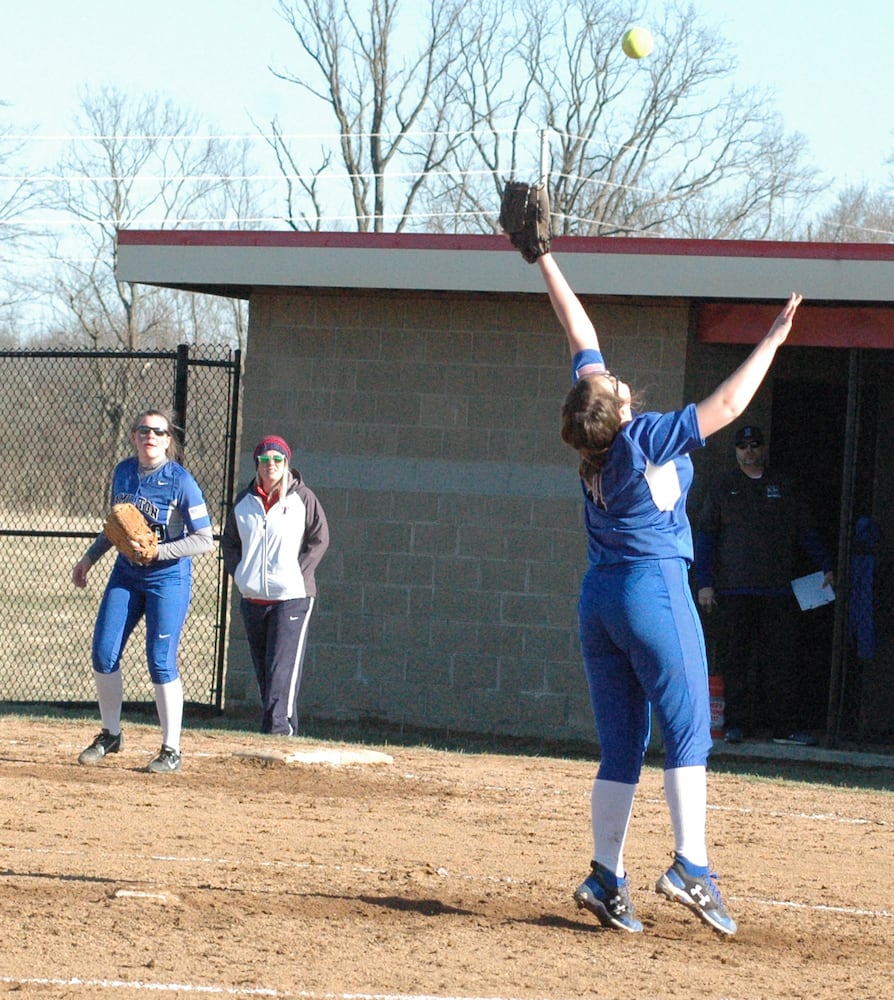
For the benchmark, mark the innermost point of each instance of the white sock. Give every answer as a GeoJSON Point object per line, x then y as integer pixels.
{"type": "Point", "coordinates": [169, 702]}
{"type": "Point", "coordinates": [110, 695]}
{"type": "Point", "coordinates": [611, 804]}
{"type": "Point", "coordinates": [686, 791]}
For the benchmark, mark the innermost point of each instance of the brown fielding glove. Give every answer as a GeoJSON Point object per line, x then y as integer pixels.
{"type": "Point", "coordinates": [524, 217]}
{"type": "Point", "coordinates": [128, 531]}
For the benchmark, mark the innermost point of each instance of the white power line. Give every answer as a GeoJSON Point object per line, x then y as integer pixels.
{"type": "Point", "coordinates": [261, 137]}
{"type": "Point", "coordinates": [170, 178]}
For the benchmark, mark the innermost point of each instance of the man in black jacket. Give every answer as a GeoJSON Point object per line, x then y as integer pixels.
{"type": "Point", "coordinates": [752, 525]}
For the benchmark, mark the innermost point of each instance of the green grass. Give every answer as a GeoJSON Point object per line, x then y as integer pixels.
{"type": "Point", "coordinates": [810, 772]}
{"type": "Point", "coordinates": [48, 625]}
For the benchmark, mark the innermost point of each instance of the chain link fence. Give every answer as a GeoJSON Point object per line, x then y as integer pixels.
{"type": "Point", "coordinates": [64, 423]}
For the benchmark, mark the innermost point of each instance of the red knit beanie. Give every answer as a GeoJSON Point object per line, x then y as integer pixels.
{"type": "Point", "coordinates": [272, 443]}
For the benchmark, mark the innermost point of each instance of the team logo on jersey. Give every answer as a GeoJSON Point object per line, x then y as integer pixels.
{"type": "Point", "coordinates": [144, 506]}
{"type": "Point", "coordinates": [774, 492]}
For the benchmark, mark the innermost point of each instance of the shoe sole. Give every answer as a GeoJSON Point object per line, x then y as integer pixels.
{"type": "Point", "coordinates": [601, 913]}
{"type": "Point", "coordinates": [664, 887]}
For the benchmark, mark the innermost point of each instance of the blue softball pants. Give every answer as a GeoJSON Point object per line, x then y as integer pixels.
{"type": "Point", "coordinates": [642, 645]}
{"type": "Point", "coordinates": [161, 594]}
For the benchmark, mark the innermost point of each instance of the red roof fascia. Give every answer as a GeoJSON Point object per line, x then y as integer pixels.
{"type": "Point", "coordinates": [814, 326]}
{"type": "Point", "coordinates": [481, 242]}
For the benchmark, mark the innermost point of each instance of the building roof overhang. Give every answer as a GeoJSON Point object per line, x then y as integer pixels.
{"type": "Point", "coordinates": [738, 285]}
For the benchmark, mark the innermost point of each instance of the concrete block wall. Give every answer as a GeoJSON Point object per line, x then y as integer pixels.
{"type": "Point", "coordinates": [428, 425]}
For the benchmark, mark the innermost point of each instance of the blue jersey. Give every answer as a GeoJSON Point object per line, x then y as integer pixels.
{"type": "Point", "coordinates": [168, 497]}
{"type": "Point", "coordinates": [644, 484]}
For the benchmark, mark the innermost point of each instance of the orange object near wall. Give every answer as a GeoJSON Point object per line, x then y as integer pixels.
{"type": "Point", "coordinates": [718, 705]}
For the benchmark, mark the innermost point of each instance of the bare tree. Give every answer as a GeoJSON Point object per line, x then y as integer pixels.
{"type": "Point", "coordinates": [299, 182]}
{"type": "Point", "coordinates": [137, 163]}
{"type": "Point", "coordinates": [489, 117]}
{"type": "Point", "coordinates": [389, 96]}
{"type": "Point", "coordinates": [661, 146]}
{"type": "Point", "coordinates": [20, 192]}
{"type": "Point", "coordinates": [858, 215]}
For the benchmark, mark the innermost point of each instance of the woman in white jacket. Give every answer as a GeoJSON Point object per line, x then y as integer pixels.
{"type": "Point", "coordinates": [275, 536]}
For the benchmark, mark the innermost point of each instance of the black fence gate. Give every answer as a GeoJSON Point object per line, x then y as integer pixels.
{"type": "Point", "coordinates": [65, 421]}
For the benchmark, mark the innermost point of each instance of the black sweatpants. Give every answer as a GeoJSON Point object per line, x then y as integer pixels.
{"type": "Point", "coordinates": [758, 656]}
{"type": "Point", "coordinates": [277, 637]}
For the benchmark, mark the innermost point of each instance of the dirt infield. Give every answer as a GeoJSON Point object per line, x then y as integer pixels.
{"type": "Point", "coordinates": [438, 875]}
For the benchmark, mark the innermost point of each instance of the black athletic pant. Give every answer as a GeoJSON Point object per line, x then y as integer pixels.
{"type": "Point", "coordinates": [277, 637]}
{"type": "Point", "coordinates": [758, 656]}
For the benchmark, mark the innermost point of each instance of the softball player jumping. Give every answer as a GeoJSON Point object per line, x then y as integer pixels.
{"type": "Point", "coordinates": [640, 634]}
{"type": "Point", "coordinates": [172, 503]}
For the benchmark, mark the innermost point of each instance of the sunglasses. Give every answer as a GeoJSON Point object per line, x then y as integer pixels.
{"type": "Point", "coordinates": [749, 446]}
{"type": "Point", "coordinates": [266, 459]}
{"type": "Point", "coordinates": [144, 430]}
{"type": "Point", "coordinates": [613, 379]}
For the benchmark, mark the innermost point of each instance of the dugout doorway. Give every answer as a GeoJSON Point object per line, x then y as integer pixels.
{"type": "Point", "coordinates": [807, 440]}
{"type": "Point", "coordinates": [831, 435]}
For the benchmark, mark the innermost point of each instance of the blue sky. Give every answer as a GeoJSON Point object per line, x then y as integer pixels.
{"type": "Point", "coordinates": [830, 65]}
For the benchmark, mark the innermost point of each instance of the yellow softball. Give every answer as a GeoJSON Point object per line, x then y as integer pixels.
{"type": "Point", "coordinates": [637, 43]}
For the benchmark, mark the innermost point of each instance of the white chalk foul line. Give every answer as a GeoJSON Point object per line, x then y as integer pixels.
{"type": "Point", "coordinates": [850, 911]}
{"type": "Point", "coordinates": [227, 991]}
{"type": "Point", "coordinates": [121, 984]}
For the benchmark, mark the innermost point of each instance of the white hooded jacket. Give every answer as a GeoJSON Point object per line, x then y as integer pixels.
{"type": "Point", "coordinates": [272, 555]}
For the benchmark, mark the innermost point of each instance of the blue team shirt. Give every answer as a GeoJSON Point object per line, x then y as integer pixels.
{"type": "Point", "coordinates": [168, 497]}
{"type": "Point", "coordinates": [645, 482]}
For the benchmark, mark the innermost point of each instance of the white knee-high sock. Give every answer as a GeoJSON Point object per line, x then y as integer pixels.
{"type": "Point", "coordinates": [169, 702]}
{"type": "Point", "coordinates": [686, 791]}
{"type": "Point", "coordinates": [611, 804]}
{"type": "Point", "coordinates": [110, 695]}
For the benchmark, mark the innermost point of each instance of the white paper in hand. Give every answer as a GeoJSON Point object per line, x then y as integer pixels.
{"type": "Point", "coordinates": [810, 591]}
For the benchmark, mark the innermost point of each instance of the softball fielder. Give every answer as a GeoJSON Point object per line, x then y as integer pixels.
{"type": "Point", "coordinates": [172, 503]}
{"type": "Point", "coordinates": [641, 637]}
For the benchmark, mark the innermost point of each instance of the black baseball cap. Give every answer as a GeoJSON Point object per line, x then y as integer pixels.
{"type": "Point", "coordinates": [749, 433]}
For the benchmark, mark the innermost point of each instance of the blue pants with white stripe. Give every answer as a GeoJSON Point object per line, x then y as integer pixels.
{"type": "Point", "coordinates": [643, 645]}
{"type": "Point", "coordinates": [160, 592]}
{"type": "Point", "coordinates": [277, 637]}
